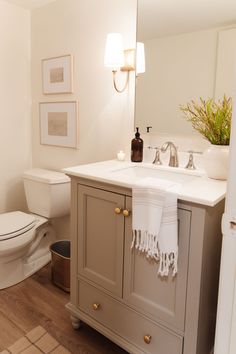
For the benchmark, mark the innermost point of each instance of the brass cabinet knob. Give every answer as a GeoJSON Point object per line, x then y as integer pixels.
{"type": "Point", "coordinates": [147, 339]}
{"type": "Point", "coordinates": [118, 210]}
{"type": "Point", "coordinates": [96, 306]}
{"type": "Point", "coordinates": [126, 212]}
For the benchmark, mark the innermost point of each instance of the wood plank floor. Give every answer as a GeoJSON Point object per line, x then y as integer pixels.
{"type": "Point", "coordinates": [36, 301]}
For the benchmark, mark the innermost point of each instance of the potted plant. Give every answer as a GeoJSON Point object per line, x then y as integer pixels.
{"type": "Point", "coordinates": [213, 121]}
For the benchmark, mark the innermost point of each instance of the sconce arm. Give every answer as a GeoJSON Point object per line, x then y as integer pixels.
{"type": "Point", "coordinates": [114, 81]}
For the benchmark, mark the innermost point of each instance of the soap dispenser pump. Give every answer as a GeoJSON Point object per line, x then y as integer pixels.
{"type": "Point", "coordinates": [137, 148]}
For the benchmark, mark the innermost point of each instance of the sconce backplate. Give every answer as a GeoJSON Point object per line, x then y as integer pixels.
{"type": "Point", "coordinates": [129, 65]}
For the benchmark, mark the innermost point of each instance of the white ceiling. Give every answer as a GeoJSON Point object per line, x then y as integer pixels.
{"type": "Point", "coordinates": [30, 4]}
{"type": "Point", "coordinates": [157, 18]}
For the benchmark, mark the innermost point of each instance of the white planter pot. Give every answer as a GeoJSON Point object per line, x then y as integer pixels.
{"type": "Point", "coordinates": [216, 159]}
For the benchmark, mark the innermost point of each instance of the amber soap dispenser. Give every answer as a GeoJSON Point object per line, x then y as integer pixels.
{"type": "Point", "coordinates": [137, 148]}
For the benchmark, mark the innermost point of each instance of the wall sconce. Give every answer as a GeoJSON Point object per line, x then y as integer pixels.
{"type": "Point", "coordinates": [118, 59]}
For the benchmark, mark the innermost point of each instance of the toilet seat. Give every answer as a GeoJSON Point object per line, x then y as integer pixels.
{"type": "Point", "coordinates": [17, 232]}
{"type": "Point", "coordinates": [14, 224]}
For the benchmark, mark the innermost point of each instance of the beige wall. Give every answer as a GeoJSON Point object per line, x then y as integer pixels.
{"type": "Point", "coordinates": [226, 58]}
{"type": "Point", "coordinates": [15, 131]}
{"type": "Point", "coordinates": [105, 117]}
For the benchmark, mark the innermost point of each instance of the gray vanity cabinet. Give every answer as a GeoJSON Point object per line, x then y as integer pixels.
{"type": "Point", "coordinates": [158, 297]}
{"type": "Point", "coordinates": [117, 290]}
{"type": "Point", "coordinates": [100, 246]}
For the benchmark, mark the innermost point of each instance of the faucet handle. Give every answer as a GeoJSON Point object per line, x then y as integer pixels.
{"type": "Point", "coordinates": [157, 159]}
{"type": "Point", "coordinates": [195, 152]}
{"type": "Point", "coordinates": [190, 165]}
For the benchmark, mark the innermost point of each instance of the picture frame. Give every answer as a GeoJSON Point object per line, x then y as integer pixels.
{"type": "Point", "coordinates": [58, 123]}
{"type": "Point", "coordinates": [57, 75]}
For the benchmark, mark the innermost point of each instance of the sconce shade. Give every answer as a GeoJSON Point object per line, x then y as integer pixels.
{"type": "Point", "coordinates": [114, 51]}
{"type": "Point", "coordinates": [140, 58]}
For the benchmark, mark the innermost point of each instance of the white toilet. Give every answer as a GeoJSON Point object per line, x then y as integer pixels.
{"type": "Point", "coordinates": [25, 238]}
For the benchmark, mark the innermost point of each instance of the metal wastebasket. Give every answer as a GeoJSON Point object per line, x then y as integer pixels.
{"type": "Point", "coordinates": [60, 252]}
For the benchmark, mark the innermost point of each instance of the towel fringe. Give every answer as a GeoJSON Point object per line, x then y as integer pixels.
{"type": "Point", "coordinates": [147, 243]}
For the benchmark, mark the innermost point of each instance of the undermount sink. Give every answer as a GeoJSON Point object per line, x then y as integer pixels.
{"type": "Point", "coordinates": [137, 172]}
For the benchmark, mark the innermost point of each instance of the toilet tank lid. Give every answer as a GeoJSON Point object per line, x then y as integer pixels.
{"type": "Point", "coordinates": [45, 176]}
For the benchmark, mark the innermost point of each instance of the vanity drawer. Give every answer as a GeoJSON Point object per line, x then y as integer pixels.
{"type": "Point", "coordinates": [136, 329]}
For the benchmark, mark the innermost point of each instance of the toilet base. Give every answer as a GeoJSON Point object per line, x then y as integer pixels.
{"type": "Point", "coordinates": [36, 256]}
{"type": "Point", "coordinates": [18, 270]}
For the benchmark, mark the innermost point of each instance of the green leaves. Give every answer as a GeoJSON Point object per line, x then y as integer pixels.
{"type": "Point", "coordinates": [211, 119]}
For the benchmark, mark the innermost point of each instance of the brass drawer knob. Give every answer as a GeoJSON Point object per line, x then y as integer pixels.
{"type": "Point", "coordinates": [126, 212]}
{"type": "Point", "coordinates": [147, 339]}
{"type": "Point", "coordinates": [96, 306]}
{"type": "Point", "coordinates": [118, 210]}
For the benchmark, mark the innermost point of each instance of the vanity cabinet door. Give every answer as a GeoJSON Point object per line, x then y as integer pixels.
{"type": "Point", "coordinates": [160, 298]}
{"type": "Point", "coordinates": [101, 237]}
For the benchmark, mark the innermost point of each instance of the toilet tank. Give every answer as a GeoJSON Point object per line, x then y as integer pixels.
{"type": "Point", "coordinates": [47, 192]}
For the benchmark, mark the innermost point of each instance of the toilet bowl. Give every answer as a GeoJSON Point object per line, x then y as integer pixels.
{"type": "Point", "coordinates": [25, 238]}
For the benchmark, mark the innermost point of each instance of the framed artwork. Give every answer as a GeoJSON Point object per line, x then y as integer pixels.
{"type": "Point", "coordinates": [57, 75]}
{"type": "Point", "coordinates": [58, 123]}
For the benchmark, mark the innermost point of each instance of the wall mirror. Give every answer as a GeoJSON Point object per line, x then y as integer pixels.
{"type": "Point", "coordinates": [186, 45]}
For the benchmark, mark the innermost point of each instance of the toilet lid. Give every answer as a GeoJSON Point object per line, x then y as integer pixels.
{"type": "Point", "coordinates": [15, 223]}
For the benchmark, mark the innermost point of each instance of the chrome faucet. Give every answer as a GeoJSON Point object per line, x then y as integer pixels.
{"type": "Point", "coordinates": [173, 162]}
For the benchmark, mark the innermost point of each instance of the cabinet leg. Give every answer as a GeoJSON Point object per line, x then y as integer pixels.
{"type": "Point", "coordinates": [75, 322]}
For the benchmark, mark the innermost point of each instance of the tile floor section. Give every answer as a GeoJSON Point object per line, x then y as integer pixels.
{"type": "Point", "coordinates": [37, 341]}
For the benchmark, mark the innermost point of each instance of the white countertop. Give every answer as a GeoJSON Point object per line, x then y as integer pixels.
{"type": "Point", "coordinates": [196, 187]}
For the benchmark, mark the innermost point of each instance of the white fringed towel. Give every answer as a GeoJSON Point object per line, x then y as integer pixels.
{"type": "Point", "coordinates": [155, 223]}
